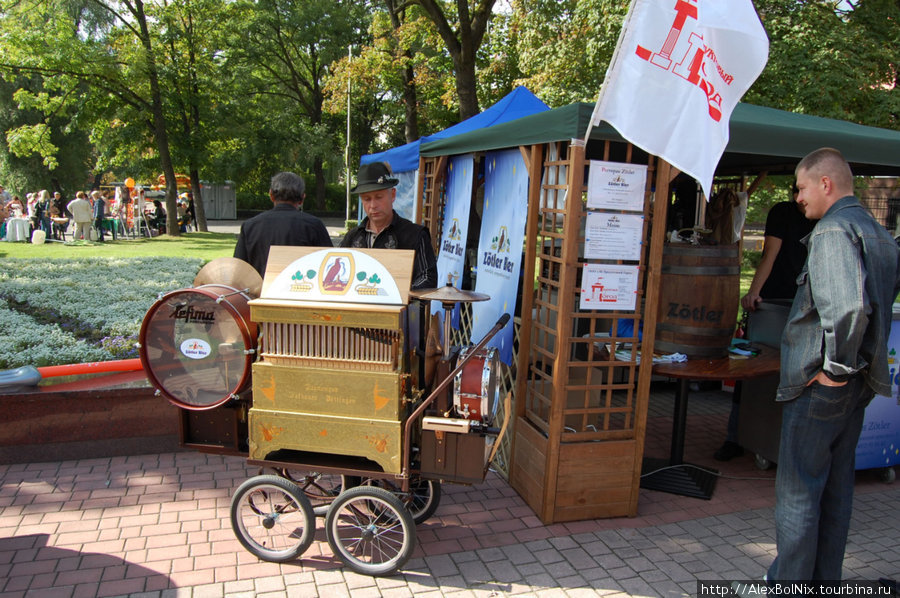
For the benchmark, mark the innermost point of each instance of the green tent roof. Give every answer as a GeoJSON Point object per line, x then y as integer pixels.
{"type": "Point", "coordinates": [760, 139]}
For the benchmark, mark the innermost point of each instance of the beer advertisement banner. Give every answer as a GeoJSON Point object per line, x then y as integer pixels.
{"type": "Point", "coordinates": [452, 252]}
{"type": "Point", "coordinates": [500, 246]}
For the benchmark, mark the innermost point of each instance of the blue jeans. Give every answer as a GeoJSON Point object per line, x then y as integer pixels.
{"type": "Point", "coordinates": [814, 483]}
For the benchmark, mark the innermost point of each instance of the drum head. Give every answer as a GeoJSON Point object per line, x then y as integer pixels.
{"type": "Point", "coordinates": [194, 345]}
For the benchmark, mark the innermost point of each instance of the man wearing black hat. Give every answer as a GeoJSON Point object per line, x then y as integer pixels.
{"type": "Point", "coordinates": [383, 228]}
{"type": "Point", "coordinates": [284, 224]}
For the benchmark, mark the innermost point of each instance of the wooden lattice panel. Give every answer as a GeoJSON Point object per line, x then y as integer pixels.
{"type": "Point", "coordinates": [582, 374]}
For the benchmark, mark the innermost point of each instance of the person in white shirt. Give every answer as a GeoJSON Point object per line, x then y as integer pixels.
{"type": "Point", "coordinates": [81, 211]}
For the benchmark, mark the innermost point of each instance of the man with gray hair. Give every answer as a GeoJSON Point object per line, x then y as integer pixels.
{"type": "Point", "coordinates": [833, 361]}
{"type": "Point", "coordinates": [284, 224]}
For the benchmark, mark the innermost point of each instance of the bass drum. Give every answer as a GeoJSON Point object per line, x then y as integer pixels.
{"type": "Point", "coordinates": [198, 345]}
{"type": "Point", "coordinates": [476, 388]}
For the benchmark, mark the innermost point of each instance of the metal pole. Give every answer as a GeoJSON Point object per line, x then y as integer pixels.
{"type": "Point", "coordinates": [347, 147]}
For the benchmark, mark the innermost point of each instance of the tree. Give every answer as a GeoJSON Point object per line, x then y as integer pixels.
{"type": "Point", "coordinates": [190, 41]}
{"type": "Point", "coordinates": [832, 62]}
{"type": "Point", "coordinates": [462, 39]}
{"type": "Point", "coordinates": [107, 47]}
{"type": "Point", "coordinates": [285, 50]}
{"type": "Point", "coordinates": [565, 46]}
{"type": "Point", "coordinates": [41, 151]}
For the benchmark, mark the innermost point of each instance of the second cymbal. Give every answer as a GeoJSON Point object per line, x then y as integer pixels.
{"type": "Point", "coordinates": [232, 272]}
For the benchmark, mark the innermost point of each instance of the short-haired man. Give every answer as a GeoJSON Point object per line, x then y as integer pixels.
{"type": "Point", "coordinates": [833, 361]}
{"type": "Point", "coordinates": [383, 228]}
{"type": "Point", "coordinates": [284, 224]}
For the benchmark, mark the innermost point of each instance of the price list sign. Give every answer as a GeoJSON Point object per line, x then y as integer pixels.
{"type": "Point", "coordinates": [609, 287]}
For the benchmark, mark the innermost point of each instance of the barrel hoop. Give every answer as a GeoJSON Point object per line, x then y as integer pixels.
{"type": "Point", "coordinates": [702, 270]}
{"type": "Point", "coordinates": [694, 330]}
{"type": "Point", "coordinates": [693, 250]}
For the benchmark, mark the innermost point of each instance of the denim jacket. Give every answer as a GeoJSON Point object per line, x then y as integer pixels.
{"type": "Point", "coordinates": [841, 316]}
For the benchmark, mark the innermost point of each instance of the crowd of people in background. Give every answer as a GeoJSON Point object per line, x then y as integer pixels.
{"type": "Point", "coordinates": [89, 215]}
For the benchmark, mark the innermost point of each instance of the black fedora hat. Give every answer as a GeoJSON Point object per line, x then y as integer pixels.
{"type": "Point", "coordinates": [374, 177]}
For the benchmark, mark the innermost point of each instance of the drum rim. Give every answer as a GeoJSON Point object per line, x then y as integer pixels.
{"type": "Point", "coordinates": [491, 358]}
{"type": "Point", "coordinates": [245, 326]}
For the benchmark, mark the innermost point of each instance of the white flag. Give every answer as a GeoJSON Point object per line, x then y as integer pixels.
{"type": "Point", "coordinates": [679, 69]}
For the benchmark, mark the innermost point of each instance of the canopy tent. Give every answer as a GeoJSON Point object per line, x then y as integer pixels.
{"type": "Point", "coordinates": [516, 104]}
{"type": "Point", "coordinates": [576, 451]}
{"type": "Point", "coordinates": [404, 160]}
{"type": "Point", "coordinates": [760, 139]}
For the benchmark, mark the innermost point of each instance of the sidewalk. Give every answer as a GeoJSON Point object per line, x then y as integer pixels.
{"type": "Point", "coordinates": [158, 525]}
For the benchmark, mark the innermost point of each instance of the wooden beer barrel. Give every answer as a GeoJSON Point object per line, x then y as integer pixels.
{"type": "Point", "coordinates": [698, 299]}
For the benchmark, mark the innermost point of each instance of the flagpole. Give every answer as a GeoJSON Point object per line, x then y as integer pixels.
{"type": "Point", "coordinates": [347, 147]}
{"type": "Point", "coordinates": [612, 65]}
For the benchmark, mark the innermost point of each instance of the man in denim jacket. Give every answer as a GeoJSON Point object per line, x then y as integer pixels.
{"type": "Point", "coordinates": [833, 361]}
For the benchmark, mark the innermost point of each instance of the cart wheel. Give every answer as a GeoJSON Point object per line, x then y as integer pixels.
{"type": "Point", "coordinates": [762, 462]}
{"type": "Point", "coordinates": [370, 530]}
{"type": "Point", "coordinates": [320, 488]}
{"type": "Point", "coordinates": [421, 500]}
{"type": "Point", "coordinates": [888, 475]}
{"type": "Point", "coordinates": [272, 518]}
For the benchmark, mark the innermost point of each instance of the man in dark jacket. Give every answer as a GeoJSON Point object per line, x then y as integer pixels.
{"type": "Point", "coordinates": [383, 228]}
{"type": "Point", "coordinates": [284, 224]}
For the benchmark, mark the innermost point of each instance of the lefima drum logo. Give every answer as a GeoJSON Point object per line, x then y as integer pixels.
{"type": "Point", "coordinates": [189, 314]}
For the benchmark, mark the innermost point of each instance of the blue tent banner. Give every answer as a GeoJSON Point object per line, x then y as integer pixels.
{"type": "Point", "coordinates": [500, 246]}
{"type": "Point", "coordinates": [452, 251]}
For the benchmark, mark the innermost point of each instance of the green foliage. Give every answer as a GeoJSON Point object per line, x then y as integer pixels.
{"type": "Point", "coordinates": [248, 88]}
{"type": "Point", "coordinates": [565, 46]}
{"type": "Point", "coordinates": [751, 259]}
{"type": "Point", "coordinates": [832, 60]}
{"type": "Point", "coordinates": [258, 199]}
{"type": "Point", "coordinates": [772, 190]}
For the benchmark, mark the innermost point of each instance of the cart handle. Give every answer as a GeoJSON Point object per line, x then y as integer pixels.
{"type": "Point", "coordinates": [407, 436]}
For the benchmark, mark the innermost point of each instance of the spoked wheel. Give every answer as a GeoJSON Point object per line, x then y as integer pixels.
{"type": "Point", "coordinates": [421, 500]}
{"type": "Point", "coordinates": [321, 489]}
{"type": "Point", "coordinates": [272, 518]}
{"type": "Point", "coordinates": [370, 530]}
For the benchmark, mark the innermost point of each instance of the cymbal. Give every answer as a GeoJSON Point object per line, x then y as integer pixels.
{"type": "Point", "coordinates": [449, 294]}
{"type": "Point", "coordinates": [231, 272]}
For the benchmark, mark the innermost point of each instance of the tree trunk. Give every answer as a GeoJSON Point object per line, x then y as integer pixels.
{"type": "Point", "coordinates": [410, 102]}
{"type": "Point", "coordinates": [465, 89]}
{"type": "Point", "coordinates": [159, 123]}
{"type": "Point", "coordinates": [410, 98]}
{"type": "Point", "coordinates": [462, 43]}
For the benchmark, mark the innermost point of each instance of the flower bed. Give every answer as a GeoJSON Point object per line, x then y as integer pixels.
{"type": "Point", "coordinates": [55, 312]}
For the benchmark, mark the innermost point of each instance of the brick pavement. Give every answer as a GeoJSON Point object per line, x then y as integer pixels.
{"type": "Point", "coordinates": [157, 525]}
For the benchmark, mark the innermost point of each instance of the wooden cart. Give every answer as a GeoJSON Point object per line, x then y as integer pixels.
{"type": "Point", "coordinates": [321, 380]}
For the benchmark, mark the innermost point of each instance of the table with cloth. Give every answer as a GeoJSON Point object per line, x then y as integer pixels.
{"type": "Point", "coordinates": [17, 229]}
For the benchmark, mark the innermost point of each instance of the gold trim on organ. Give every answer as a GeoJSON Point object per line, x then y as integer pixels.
{"type": "Point", "coordinates": [336, 347]}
